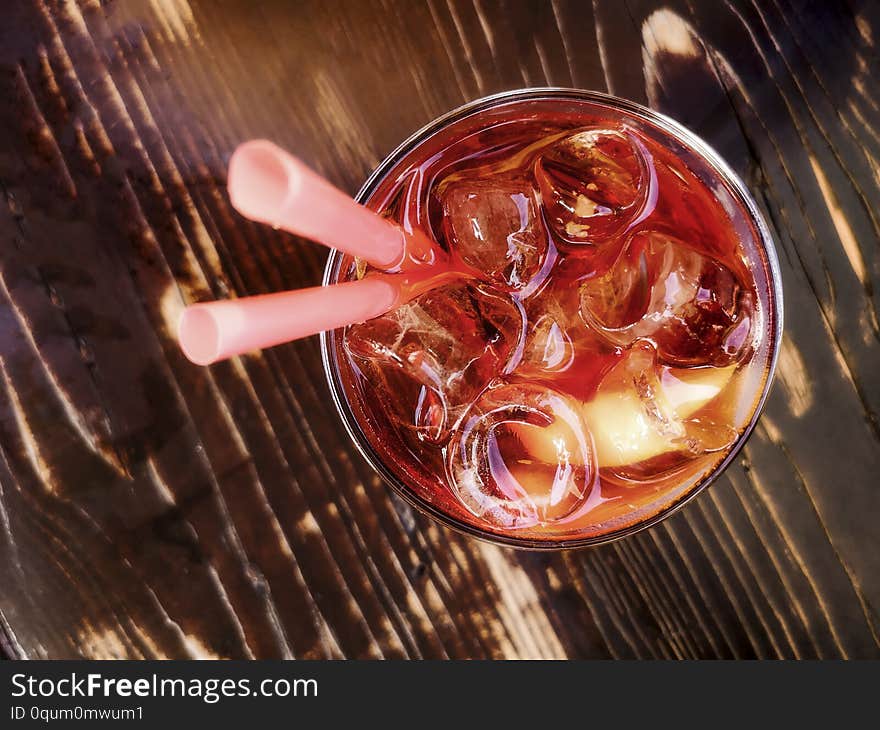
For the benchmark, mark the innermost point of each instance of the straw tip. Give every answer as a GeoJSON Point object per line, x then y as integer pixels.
{"type": "Point", "coordinates": [199, 335]}
{"type": "Point", "coordinates": [259, 180]}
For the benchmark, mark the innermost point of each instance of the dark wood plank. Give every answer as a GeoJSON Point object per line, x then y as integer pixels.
{"type": "Point", "coordinates": [151, 508]}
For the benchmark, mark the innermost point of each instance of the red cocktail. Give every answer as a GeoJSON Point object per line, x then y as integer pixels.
{"type": "Point", "coordinates": [595, 338]}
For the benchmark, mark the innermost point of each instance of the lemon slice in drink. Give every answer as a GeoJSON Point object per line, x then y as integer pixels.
{"type": "Point", "coordinates": [629, 425]}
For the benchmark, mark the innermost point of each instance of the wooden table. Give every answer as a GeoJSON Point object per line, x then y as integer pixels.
{"type": "Point", "coordinates": [151, 508]}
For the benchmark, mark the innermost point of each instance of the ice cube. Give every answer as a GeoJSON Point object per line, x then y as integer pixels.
{"type": "Point", "coordinates": [499, 479]}
{"type": "Point", "coordinates": [643, 410]}
{"type": "Point", "coordinates": [560, 350]}
{"type": "Point", "coordinates": [692, 307]}
{"type": "Point", "coordinates": [430, 358]}
{"type": "Point", "coordinates": [594, 183]}
{"type": "Point", "coordinates": [494, 225]}
{"type": "Point", "coordinates": [549, 347]}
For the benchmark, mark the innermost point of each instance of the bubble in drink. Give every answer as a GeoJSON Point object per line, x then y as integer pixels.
{"type": "Point", "coordinates": [432, 357]}
{"type": "Point", "coordinates": [606, 339]}
{"type": "Point", "coordinates": [494, 226]}
{"type": "Point", "coordinates": [691, 306]}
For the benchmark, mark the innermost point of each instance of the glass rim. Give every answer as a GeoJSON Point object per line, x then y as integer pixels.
{"type": "Point", "coordinates": [715, 162]}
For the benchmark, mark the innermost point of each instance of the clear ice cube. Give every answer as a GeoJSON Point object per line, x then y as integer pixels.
{"type": "Point", "coordinates": [644, 413]}
{"type": "Point", "coordinates": [431, 358]}
{"type": "Point", "coordinates": [549, 347]}
{"type": "Point", "coordinates": [555, 332]}
{"type": "Point", "coordinates": [594, 183]}
{"type": "Point", "coordinates": [494, 225]}
{"type": "Point", "coordinates": [693, 308]}
{"type": "Point", "coordinates": [522, 457]}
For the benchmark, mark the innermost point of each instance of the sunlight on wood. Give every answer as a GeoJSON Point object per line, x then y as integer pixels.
{"type": "Point", "coordinates": [793, 373]}
{"type": "Point", "coordinates": [841, 225]}
{"type": "Point", "coordinates": [664, 31]}
{"type": "Point", "coordinates": [520, 608]}
{"type": "Point", "coordinates": [177, 19]}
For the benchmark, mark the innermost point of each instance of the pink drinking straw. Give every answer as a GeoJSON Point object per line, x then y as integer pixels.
{"type": "Point", "coordinates": [213, 331]}
{"type": "Point", "coordinates": [269, 185]}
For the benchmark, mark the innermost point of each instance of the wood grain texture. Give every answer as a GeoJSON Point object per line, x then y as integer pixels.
{"type": "Point", "coordinates": [150, 508]}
